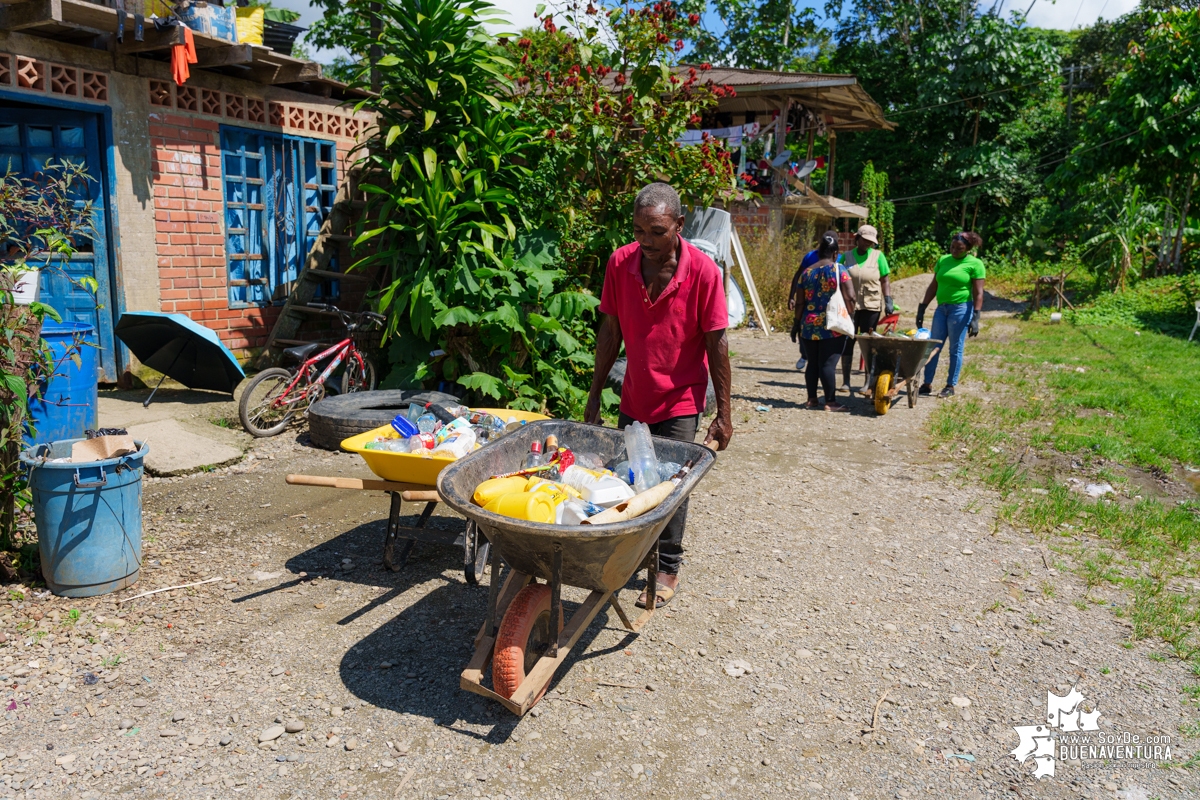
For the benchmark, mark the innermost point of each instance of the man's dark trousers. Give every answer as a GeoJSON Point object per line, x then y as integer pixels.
{"type": "Point", "coordinates": [670, 542]}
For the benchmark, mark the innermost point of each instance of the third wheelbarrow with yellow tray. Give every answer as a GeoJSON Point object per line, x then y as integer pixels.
{"type": "Point", "coordinates": [891, 359]}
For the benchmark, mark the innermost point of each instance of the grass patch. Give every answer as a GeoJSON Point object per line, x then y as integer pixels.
{"type": "Point", "coordinates": [1102, 399]}
{"type": "Point", "coordinates": [1118, 396]}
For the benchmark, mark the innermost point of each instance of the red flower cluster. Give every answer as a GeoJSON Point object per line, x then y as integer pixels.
{"type": "Point", "coordinates": [678, 45]}
{"type": "Point", "coordinates": [591, 10]}
{"type": "Point", "coordinates": [548, 24]}
{"type": "Point", "coordinates": [524, 44]}
{"type": "Point", "coordinates": [693, 19]}
{"type": "Point", "coordinates": [705, 67]}
{"type": "Point", "coordinates": [620, 79]}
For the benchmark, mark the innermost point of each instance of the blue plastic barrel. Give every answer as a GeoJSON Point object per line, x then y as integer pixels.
{"type": "Point", "coordinates": [89, 519]}
{"type": "Point", "coordinates": [69, 404]}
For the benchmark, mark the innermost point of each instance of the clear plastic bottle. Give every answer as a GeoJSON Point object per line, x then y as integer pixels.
{"type": "Point", "coordinates": [534, 458]}
{"type": "Point", "coordinates": [415, 410]}
{"type": "Point", "coordinates": [427, 423]}
{"type": "Point", "coordinates": [642, 460]}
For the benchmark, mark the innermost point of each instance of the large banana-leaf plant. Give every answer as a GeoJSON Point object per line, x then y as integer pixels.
{"type": "Point", "coordinates": [467, 277]}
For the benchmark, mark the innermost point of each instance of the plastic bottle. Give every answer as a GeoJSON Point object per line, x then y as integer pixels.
{"type": "Point", "coordinates": [667, 470]}
{"type": "Point", "coordinates": [532, 506]}
{"type": "Point", "coordinates": [534, 458]}
{"type": "Point", "coordinates": [623, 472]}
{"type": "Point", "coordinates": [422, 441]}
{"type": "Point", "coordinates": [415, 410]}
{"type": "Point", "coordinates": [457, 444]}
{"type": "Point", "coordinates": [642, 460]}
{"type": "Point", "coordinates": [578, 477]}
{"type": "Point", "coordinates": [404, 426]}
{"type": "Point", "coordinates": [451, 428]}
{"type": "Point", "coordinates": [426, 423]}
{"type": "Point", "coordinates": [514, 424]}
{"type": "Point", "coordinates": [589, 460]}
{"type": "Point", "coordinates": [489, 490]}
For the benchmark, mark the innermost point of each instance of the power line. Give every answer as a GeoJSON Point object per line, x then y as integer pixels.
{"type": "Point", "coordinates": [1043, 165]}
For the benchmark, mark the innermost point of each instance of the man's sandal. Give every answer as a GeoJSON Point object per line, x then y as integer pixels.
{"type": "Point", "coordinates": [665, 593]}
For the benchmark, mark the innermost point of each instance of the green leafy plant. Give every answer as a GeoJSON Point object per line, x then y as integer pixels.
{"type": "Point", "coordinates": [880, 212]}
{"type": "Point", "coordinates": [490, 204]}
{"type": "Point", "coordinates": [41, 221]}
{"type": "Point", "coordinates": [609, 97]}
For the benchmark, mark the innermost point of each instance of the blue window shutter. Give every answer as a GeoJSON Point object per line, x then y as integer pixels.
{"type": "Point", "coordinates": [278, 191]}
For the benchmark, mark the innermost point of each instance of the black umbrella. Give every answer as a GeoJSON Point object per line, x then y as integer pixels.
{"type": "Point", "coordinates": [181, 349]}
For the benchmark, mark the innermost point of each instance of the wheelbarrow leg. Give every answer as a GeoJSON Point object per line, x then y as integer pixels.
{"type": "Point", "coordinates": [555, 599]}
{"type": "Point", "coordinates": [651, 589]}
{"type": "Point", "coordinates": [476, 549]}
{"type": "Point", "coordinates": [392, 560]}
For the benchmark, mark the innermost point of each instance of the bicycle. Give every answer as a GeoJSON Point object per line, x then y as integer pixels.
{"type": "Point", "coordinates": [276, 395]}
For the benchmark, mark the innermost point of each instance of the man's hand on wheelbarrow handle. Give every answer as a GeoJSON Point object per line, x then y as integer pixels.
{"type": "Point", "coordinates": [720, 431]}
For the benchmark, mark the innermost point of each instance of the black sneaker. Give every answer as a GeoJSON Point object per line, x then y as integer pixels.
{"type": "Point", "coordinates": [947, 392]}
{"type": "Point", "coordinates": [925, 389]}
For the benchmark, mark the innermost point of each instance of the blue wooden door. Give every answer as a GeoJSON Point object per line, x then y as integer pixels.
{"type": "Point", "coordinates": [278, 191]}
{"type": "Point", "coordinates": [30, 139]}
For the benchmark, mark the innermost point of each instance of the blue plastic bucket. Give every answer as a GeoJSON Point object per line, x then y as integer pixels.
{"type": "Point", "coordinates": [89, 519]}
{"type": "Point", "coordinates": [68, 405]}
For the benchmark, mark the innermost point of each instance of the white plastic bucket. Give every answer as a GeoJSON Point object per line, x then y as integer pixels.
{"type": "Point", "coordinates": [26, 290]}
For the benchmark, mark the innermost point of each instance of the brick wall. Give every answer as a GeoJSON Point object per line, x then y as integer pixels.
{"type": "Point", "coordinates": [190, 234]}
{"type": "Point", "coordinates": [189, 206]}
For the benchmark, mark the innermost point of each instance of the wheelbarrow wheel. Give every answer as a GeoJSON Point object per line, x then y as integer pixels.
{"type": "Point", "coordinates": [524, 637]}
{"type": "Point", "coordinates": [476, 552]}
{"type": "Point", "coordinates": [883, 393]}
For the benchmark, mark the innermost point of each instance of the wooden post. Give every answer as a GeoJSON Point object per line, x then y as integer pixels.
{"type": "Point", "coordinates": [812, 134]}
{"type": "Point", "coordinates": [829, 174]}
{"type": "Point", "coordinates": [780, 178]}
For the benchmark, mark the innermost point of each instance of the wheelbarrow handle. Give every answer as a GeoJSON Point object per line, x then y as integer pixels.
{"type": "Point", "coordinates": [413, 492]}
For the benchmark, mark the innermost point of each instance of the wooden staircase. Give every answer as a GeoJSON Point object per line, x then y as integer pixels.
{"type": "Point", "coordinates": [296, 320]}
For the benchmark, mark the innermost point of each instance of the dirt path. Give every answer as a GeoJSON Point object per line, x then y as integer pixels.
{"type": "Point", "coordinates": [833, 554]}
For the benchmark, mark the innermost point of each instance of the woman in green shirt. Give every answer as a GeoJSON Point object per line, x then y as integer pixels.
{"type": "Point", "coordinates": [958, 285]}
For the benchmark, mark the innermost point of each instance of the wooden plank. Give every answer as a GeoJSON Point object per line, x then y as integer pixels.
{"type": "Point", "coordinates": [361, 484]}
{"type": "Point", "coordinates": [330, 275]}
{"type": "Point", "coordinates": [543, 672]}
{"type": "Point", "coordinates": [225, 57]}
{"type": "Point", "coordinates": [154, 40]}
{"type": "Point", "coordinates": [739, 255]}
{"type": "Point", "coordinates": [30, 14]}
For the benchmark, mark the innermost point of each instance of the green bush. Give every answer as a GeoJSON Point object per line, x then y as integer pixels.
{"type": "Point", "coordinates": [1162, 304]}
{"type": "Point", "coordinates": [914, 258]}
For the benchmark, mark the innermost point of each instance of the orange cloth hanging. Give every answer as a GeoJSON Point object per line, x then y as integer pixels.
{"type": "Point", "coordinates": [182, 55]}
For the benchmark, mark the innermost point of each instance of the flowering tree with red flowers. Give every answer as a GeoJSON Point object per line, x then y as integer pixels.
{"type": "Point", "coordinates": [606, 87]}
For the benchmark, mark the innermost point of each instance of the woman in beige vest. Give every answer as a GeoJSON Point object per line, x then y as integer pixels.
{"type": "Point", "coordinates": [869, 271]}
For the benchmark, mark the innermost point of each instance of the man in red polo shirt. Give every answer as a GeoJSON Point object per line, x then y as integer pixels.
{"type": "Point", "coordinates": [665, 300]}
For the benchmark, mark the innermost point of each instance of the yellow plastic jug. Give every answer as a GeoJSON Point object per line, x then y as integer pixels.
{"type": "Point", "coordinates": [531, 506]}
{"type": "Point", "coordinates": [489, 490]}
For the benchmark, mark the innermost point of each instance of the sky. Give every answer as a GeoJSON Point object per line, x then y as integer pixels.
{"type": "Point", "coordinates": [1062, 14]}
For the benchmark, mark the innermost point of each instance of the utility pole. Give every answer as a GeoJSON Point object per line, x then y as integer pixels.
{"type": "Point", "coordinates": [1070, 92]}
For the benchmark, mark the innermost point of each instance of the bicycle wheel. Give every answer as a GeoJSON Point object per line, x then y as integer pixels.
{"type": "Point", "coordinates": [357, 378]}
{"type": "Point", "coordinates": [260, 414]}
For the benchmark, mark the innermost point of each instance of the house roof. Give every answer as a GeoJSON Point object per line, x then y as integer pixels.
{"type": "Point", "coordinates": [840, 99]}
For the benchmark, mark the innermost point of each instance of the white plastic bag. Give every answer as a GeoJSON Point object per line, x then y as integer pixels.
{"type": "Point", "coordinates": [837, 316]}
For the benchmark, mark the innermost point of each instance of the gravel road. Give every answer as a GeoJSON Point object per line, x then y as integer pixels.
{"type": "Point", "coordinates": [852, 623]}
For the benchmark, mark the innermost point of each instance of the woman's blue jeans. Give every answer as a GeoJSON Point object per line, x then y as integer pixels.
{"type": "Point", "coordinates": [950, 324]}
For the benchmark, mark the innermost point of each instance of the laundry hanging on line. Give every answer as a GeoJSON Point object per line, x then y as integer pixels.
{"type": "Point", "coordinates": [181, 55]}
{"type": "Point", "coordinates": [732, 135]}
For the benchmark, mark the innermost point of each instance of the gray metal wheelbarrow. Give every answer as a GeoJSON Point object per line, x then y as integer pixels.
{"type": "Point", "coordinates": [891, 359]}
{"type": "Point", "coordinates": [524, 632]}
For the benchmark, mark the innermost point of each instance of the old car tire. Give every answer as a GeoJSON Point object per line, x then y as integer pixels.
{"type": "Point", "coordinates": [522, 640]}
{"type": "Point", "coordinates": [337, 418]}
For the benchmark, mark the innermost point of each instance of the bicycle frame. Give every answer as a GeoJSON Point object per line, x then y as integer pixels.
{"type": "Point", "coordinates": [341, 351]}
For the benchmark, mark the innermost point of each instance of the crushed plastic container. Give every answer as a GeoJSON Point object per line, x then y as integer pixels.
{"type": "Point", "coordinates": [89, 518]}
